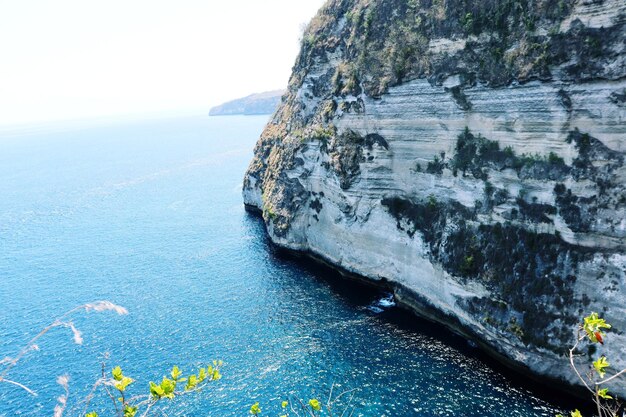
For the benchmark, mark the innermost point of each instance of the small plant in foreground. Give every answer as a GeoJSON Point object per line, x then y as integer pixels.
{"type": "Point", "coordinates": [170, 387]}
{"type": "Point", "coordinates": [116, 385]}
{"type": "Point", "coordinates": [334, 406]}
{"type": "Point", "coordinates": [63, 321]}
{"type": "Point", "coordinates": [592, 330]}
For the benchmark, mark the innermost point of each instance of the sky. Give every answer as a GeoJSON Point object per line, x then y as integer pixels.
{"type": "Point", "coordinates": [77, 59]}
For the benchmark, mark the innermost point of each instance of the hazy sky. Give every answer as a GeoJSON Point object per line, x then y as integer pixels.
{"type": "Point", "coordinates": [71, 59]}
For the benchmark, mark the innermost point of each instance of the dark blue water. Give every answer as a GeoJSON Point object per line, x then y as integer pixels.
{"type": "Point", "coordinates": [149, 215]}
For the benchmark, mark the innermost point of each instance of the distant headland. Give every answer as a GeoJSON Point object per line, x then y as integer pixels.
{"type": "Point", "coordinates": [260, 103]}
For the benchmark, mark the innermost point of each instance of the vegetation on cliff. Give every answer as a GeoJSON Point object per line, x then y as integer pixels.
{"type": "Point", "coordinates": [497, 42]}
{"type": "Point", "coordinates": [365, 47]}
{"type": "Point", "coordinates": [486, 213]}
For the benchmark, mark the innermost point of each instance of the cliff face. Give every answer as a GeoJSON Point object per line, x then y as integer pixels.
{"type": "Point", "coordinates": [469, 153]}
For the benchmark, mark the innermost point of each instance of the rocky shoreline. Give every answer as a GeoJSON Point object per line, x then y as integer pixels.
{"type": "Point", "coordinates": [412, 302]}
{"type": "Point", "coordinates": [480, 170]}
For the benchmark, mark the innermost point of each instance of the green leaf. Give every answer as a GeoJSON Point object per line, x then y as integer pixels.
{"type": "Point", "coordinates": [576, 413]}
{"type": "Point", "coordinates": [192, 381]}
{"type": "Point", "coordinates": [117, 373]}
{"type": "Point", "coordinates": [168, 386]}
{"type": "Point", "coordinates": [201, 374]}
{"type": "Point", "coordinates": [156, 390]}
{"type": "Point", "coordinates": [315, 404]}
{"type": "Point", "coordinates": [130, 411]}
{"type": "Point", "coordinates": [600, 366]}
{"type": "Point", "coordinates": [603, 393]}
{"type": "Point", "coordinates": [285, 404]}
{"type": "Point", "coordinates": [122, 383]}
{"type": "Point", "coordinates": [92, 414]}
{"type": "Point", "coordinates": [216, 375]}
{"type": "Point", "coordinates": [593, 325]}
{"type": "Point", "coordinates": [255, 409]}
{"type": "Point", "coordinates": [176, 373]}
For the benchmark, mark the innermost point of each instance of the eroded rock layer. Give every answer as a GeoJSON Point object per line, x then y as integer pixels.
{"type": "Point", "coordinates": [469, 153]}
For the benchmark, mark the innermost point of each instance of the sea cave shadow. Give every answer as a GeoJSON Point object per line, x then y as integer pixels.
{"type": "Point", "coordinates": [359, 294]}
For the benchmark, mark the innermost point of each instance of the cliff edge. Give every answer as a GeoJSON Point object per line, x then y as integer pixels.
{"type": "Point", "coordinates": [468, 154]}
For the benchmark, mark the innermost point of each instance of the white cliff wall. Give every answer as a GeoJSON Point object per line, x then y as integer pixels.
{"type": "Point", "coordinates": [324, 194]}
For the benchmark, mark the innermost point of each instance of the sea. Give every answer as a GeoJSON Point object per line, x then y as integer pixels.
{"type": "Point", "coordinates": [147, 214]}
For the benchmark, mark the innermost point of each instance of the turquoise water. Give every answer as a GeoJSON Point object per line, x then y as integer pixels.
{"type": "Point", "coordinates": [148, 214]}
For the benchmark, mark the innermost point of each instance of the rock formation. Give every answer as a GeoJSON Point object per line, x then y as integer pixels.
{"type": "Point", "coordinates": [468, 154]}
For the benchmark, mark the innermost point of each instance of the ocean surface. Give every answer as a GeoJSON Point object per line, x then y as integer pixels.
{"type": "Point", "coordinates": [148, 214]}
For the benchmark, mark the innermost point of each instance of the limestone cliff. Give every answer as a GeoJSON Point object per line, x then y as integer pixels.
{"type": "Point", "coordinates": [470, 154]}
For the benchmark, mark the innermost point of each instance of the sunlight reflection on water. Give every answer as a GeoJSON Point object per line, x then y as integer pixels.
{"type": "Point", "coordinates": [149, 215]}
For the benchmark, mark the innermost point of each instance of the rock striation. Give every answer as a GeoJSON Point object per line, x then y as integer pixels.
{"type": "Point", "coordinates": [470, 156]}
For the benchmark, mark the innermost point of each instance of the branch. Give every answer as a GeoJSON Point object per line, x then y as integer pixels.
{"type": "Point", "coordinates": [28, 347]}
{"type": "Point", "coordinates": [623, 371]}
{"type": "Point", "coordinates": [348, 406]}
{"type": "Point", "coordinates": [597, 401]}
{"type": "Point", "coordinates": [25, 388]}
{"type": "Point", "coordinates": [145, 413]}
{"type": "Point", "coordinates": [305, 408]}
{"type": "Point", "coordinates": [95, 306]}
{"type": "Point", "coordinates": [344, 393]}
{"type": "Point", "coordinates": [106, 388]}
{"type": "Point", "coordinates": [571, 361]}
{"type": "Point", "coordinates": [293, 409]}
{"type": "Point", "coordinates": [63, 380]}
{"type": "Point", "coordinates": [196, 389]}
{"type": "Point", "coordinates": [89, 397]}
{"type": "Point", "coordinates": [330, 396]}
{"type": "Point", "coordinates": [145, 398]}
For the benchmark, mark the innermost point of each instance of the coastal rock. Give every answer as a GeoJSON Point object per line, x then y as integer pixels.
{"type": "Point", "coordinates": [470, 156]}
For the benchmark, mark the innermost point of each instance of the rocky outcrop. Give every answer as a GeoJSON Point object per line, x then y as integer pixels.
{"type": "Point", "coordinates": [254, 104]}
{"type": "Point", "coordinates": [468, 154]}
